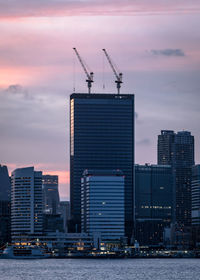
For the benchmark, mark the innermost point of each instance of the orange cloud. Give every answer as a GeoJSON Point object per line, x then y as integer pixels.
{"type": "Point", "coordinates": [19, 75]}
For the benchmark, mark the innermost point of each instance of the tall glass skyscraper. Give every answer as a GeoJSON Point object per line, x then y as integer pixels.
{"type": "Point", "coordinates": [177, 149]}
{"type": "Point", "coordinates": [196, 205]}
{"type": "Point", "coordinates": [154, 202]}
{"type": "Point", "coordinates": [165, 154]}
{"type": "Point", "coordinates": [4, 205]}
{"type": "Point", "coordinates": [4, 184]}
{"type": "Point", "coordinates": [102, 137]}
{"type": "Point", "coordinates": [196, 195]}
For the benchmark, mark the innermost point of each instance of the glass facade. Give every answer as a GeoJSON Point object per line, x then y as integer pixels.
{"type": "Point", "coordinates": [102, 137]}
{"type": "Point", "coordinates": [51, 197]}
{"type": "Point", "coordinates": [102, 203]}
{"type": "Point", "coordinates": [196, 205]}
{"type": "Point", "coordinates": [154, 202]}
{"type": "Point", "coordinates": [196, 195]}
{"type": "Point", "coordinates": [5, 189]}
{"type": "Point", "coordinates": [177, 149]}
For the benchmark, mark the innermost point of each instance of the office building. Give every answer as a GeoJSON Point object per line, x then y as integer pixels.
{"type": "Point", "coordinates": [4, 205]}
{"type": "Point", "coordinates": [165, 154]}
{"type": "Point", "coordinates": [154, 202]}
{"type": "Point", "coordinates": [26, 202]}
{"type": "Point", "coordinates": [196, 195]}
{"type": "Point", "coordinates": [177, 149]}
{"type": "Point", "coordinates": [196, 205]}
{"type": "Point", "coordinates": [4, 183]}
{"type": "Point", "coordinates": [50, 194]}
{"type": "Point", "coordinates": [102, 204]}
{"type": "Point", "coordinates": [64, 210]}
{"type": "Point", "coordinates": [102, 137]}
{"type": "Point", "coordinates": [52, 223]}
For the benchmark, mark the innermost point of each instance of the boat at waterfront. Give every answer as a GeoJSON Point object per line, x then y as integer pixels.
{"type": "Point", "coordinates": [24, 252]}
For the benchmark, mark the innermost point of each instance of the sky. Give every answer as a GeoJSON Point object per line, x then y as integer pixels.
{"type": "Point", "coordinates": [154, 43]}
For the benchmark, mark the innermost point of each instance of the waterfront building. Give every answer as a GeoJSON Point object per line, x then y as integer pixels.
{"type": "Point", "coordinates": [102, 137]}
{"type": "Point", "coordinates": [196, 205]}
{"type": "Point", "coordinates": [26, 202]}
{"type": "Point", "coordinates": [4, 205]}
{"type": "Point", "coordinates": [154, 202]}
{"type": "Point", "coordinates": [196, 195]}
{"type": "Point", "coordinates": [51, 198]}
{"type": "Point", "coordinates": [52, 223]}
{"type": "Point", "coordinates": [177, 149]}
{"type": "Point", "coordinates": [102, 204]}
{"type": "Point", "coordinates": [59, 242]}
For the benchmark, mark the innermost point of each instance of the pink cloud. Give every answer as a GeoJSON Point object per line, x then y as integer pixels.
{"type": "Point", "coordinates": [40, 50]}
{"type": "Point", "coordinates": [37, 8]}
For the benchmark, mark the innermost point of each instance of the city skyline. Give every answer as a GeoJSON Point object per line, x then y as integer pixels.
{"type": "Point", "coordinates": [153, 45]}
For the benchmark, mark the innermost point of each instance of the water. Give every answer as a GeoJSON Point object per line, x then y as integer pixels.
{"type": "Point", "coordinates": [103, 269]}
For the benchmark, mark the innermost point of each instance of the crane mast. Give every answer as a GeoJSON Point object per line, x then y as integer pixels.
{"type": "Point", "coordinates": [118, 76]}
{"type": "Point", "coordinates": [90, 75]}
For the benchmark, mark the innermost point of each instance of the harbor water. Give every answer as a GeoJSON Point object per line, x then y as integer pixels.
{"type": "Point", "coordinates": [100, 269]}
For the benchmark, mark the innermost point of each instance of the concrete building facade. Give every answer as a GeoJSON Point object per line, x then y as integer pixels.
{"type": "Point", "coordinates": [26, 202]}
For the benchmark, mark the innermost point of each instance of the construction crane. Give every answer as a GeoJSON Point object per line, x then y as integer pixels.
{"type": "Point", "coordinates": [89, 75]}
{"type": "Point", "coordinates": [118, 76]}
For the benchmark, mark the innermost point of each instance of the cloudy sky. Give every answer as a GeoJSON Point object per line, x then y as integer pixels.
{"type": "Point", "coordinates": [155, 43]}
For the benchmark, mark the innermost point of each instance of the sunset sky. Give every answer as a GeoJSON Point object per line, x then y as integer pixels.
{"type": "Point", "coordinates": [154, 43]}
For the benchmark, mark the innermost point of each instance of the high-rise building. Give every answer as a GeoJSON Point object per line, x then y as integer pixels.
{"type": "Point", "coordinates": [102, 137]}
{"type": "Point", "coordinates": [177, 149]}
{"type": "Point", "coordinates": [26, 202]}
{"type": "Point", "coordinates": [165, 154]}
{"type": "Point", "coordinates": [184, 160]}
{"type": "Point", "coordinates": [154, 202]}
{"type": "Point", "coordinates": [64, 210]}
{"type": "Point", "coordinates": [4, 205]}
{"type": "Point", "coordinates": [102, 204]}
{"type": "Point", "coordinates": [4, 183]}
{"type": "Point", "coordinates": [196, 205]}
{"type": "Point", "coordinates": [50, 194]}
{"type": "Point", "coordinates": [196, 195]}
